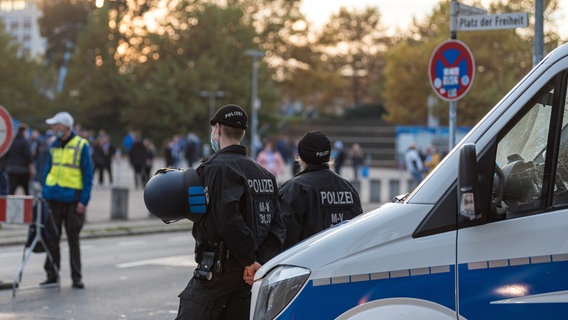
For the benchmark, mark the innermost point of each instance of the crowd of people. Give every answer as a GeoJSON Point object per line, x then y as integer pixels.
{"type": "Point", "coordinates": [418, 163]}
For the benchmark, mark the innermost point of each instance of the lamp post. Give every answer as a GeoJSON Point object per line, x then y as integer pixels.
{"type": "Point", "coordinates": [212, 95]}
{"type": "Point", "coordinates": [255, 103]}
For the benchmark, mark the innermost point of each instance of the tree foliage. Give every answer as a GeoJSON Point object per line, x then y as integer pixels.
{"type": "Point", "coordinates": [342, 66]}
{"type": "Point", "coordinates": [353, 44]}
{"type": "Point", "coordinates": [61, 23]}
{"type": "Point", "coordinates": [204, 51]}
{"type": "Point", "coordinates": [125, 74]}
{"type": "Point", "coordinates": [19, 90]}
{"type": "Point", "coordinates": [94, 90]}
{"type": "Point", "coordinates": [502, 58]}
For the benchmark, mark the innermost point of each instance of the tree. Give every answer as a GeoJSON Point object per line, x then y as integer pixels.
{"type": "Point", "coordinates": [201, 48]}
{"type": "Point", "coordinates": [94, 89]}
{"type": "Point", "coordinates": [352, 44]}
{"type": "Point", "coordinates": [19, 89]}
{"type": "Point", "coordinates": [61, 23]}
{"type": "Point", "coordinates": [502, 58]}
{"type": "Point", "coordinates": [99, 86]}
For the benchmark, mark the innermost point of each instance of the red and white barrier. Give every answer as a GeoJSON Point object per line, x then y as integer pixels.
{"type": "Point", "coordinates": [16, 209]}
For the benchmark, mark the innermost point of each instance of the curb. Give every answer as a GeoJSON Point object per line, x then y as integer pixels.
{"type": "Point", "coordinates": [18, 235]}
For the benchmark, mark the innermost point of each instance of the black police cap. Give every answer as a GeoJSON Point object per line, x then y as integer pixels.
{"type": "Point", "coordinates": [230, 115]}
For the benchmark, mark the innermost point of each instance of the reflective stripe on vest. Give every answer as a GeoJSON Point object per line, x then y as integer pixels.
{"type": "Point", "coordinates": [66, 165]}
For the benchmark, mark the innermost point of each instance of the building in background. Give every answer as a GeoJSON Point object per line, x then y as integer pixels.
{"type": "Point", "coordinates": [20, 19]}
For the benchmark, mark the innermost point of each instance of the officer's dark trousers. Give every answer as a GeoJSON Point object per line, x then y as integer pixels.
{"type": "Point", "coordinates": [66, 214]}
{"type": "Point", "coordinates": [227, 296]}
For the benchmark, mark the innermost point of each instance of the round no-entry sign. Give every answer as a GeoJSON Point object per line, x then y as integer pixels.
{"type": "Point", "coordinates": [451, 70]}
{"type": "Point", "coordinates": [6, 131]}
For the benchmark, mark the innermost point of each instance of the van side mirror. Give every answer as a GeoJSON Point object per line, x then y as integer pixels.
{"type": "Point", "coordinates": [468, 183]}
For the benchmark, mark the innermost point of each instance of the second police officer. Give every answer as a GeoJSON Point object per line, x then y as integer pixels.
{"type": "Point", "coordinates": [241, 230]}
{"type": "Point", "coordinates": [316, 198]}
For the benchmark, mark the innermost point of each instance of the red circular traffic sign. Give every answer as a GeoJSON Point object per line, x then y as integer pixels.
{"type": "Point", "coordinates": [451, 70]}
{"type": "Point", "coordinates": [6, 130]}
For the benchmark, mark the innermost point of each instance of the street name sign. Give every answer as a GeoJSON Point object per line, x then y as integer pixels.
{"type": "Point", "coordinates": [451, 70]}
{"type": "Point", "coordinates": [493, 21]}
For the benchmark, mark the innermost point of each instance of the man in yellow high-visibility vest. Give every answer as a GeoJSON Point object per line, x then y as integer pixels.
{"type": "Point", "coordinates": [67, 183]}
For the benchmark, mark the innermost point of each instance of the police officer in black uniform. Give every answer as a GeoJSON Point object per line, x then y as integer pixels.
{"type": "Point", "coordinates": [316, 198]}
{"type": "Point", "coordinates": [242, 227]}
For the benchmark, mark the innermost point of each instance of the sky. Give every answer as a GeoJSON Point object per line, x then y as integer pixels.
{"type": "Point", "coordinates": [394, 13]}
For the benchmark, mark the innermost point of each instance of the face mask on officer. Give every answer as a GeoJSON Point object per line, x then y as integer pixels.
{"type": "Point", "coordinates": [214, 143]}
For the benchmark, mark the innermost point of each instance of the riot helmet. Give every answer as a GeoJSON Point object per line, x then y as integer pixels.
{"type": "Point", "coordinates": [176, 194]}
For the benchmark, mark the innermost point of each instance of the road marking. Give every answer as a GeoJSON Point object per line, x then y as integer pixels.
{"type": "Point", "coordinates": [183, 238]}
{"type": "Point", "coordinates": [131, 243]}
{"type": "Point", "coordinates": [175, 261]}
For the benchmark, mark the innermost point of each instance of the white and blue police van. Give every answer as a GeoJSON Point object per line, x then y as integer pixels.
{"type": "Point", "coordinates": [484, 236]}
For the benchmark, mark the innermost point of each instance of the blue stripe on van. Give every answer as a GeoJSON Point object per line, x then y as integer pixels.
{"type": "Point", "coordinates": [482, 284]}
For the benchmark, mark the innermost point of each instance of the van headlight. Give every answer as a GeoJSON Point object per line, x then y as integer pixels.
{"type": "Point", "coordinates": [277, 289]}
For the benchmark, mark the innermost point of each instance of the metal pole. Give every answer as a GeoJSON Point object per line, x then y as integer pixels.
{"type": "Point", "coordinates": [538, 50]}
{"type": "Point", "coordinates": [212, 95]}
{"type": "Point", "coordinates": [254, 105]}
{"type": "Point", "coordinates": [452, 127]}
{"type": "Point", "coordinates": [454, 11]}
{"type": "Point", "coordinates": [211, 105]}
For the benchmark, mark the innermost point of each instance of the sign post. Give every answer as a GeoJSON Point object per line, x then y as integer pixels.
{"type": "Point", "coordinates": [451, 72]}
{"type": "Point", "coordinates": [6, 131]}
{"type": "Point", "coordinates": [470, 18]}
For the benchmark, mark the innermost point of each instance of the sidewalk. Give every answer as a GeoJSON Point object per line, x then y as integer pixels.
{"type": "Point", "coordinates": [99, 222]}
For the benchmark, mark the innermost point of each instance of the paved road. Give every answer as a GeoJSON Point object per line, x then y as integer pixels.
{"type": "Point", "coordinates": [125, 278]}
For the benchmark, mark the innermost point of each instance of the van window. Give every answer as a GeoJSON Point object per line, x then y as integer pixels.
{"type": "Point", "coordinates": [519, 161]}
{"type": "Point", "coordinates": [531, 162]}
{"type": "Point", "coordinates": [560, 197]}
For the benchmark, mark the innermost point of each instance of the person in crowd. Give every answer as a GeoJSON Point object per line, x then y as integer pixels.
{"type": "Point", "coordinates": [4, 187]}
{"type": "Point", "coordinates": [19, 163]}
{"type": "Point", "coordinates": [413, 162]}
{"type": "Point", "coordinates": [192, 149]}
{"type": "Point", "coordinates": [283, 145]}
{"type": "Point", "coordinates": [67, 183]}
{"type": "Point", "coordinates": [270, 159]}
{"type": "Point", "coordinates": [295, 167]}
{"type": "Point", "coordinates": [257, 146]}
{"type": "Point", "coordinates": [128, 140]}
{"type": "Point", "coordinates": [433, 158]}
{"type": "Point", "coordinates": [38, 144]}
{"type": "Point", "coordinates": [137, 157]}
{"type": "Point", "coordinates": [317, 198]}
{"type": "Point", "coordinates": [338, 155]}
{"type": "Point", "coordinates": [177, 147]}
{"type": "Point", "coordinates": [103, 153]}
{"type": "Point", "coordinates": [356, 156]}
{"type": "Point", "coordinates": [150, 156]}
{"type": "Point", "coordinates": [241, 230]}
{"type": "Point", "coordinates": [169, 153]}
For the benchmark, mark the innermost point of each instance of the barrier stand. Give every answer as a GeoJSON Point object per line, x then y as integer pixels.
{"type": "Point", "coordinates": [18, 209]}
